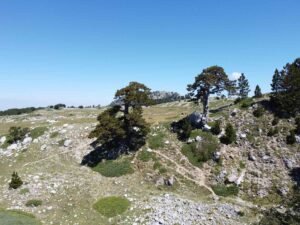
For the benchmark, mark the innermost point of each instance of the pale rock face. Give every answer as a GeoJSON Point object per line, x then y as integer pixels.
{"type": "Point", "coordinates": [297, 139]}
{"type": "Point", "coordinates": [206, 128]}
{"type": "Point", "coordinates": [198, 139]}
{"type": "Point", "coordinates": [2, 140]}
{"type": "Point", "coordinates": [43, 147]}
{"type": "Point", "coordinates": [67, 143]}
{"type": "Point", "coordinates": [12, 147]}
{"type": "Point", "coordinates": [27, 140]}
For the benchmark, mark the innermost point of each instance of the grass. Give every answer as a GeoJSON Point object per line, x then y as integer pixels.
{"type": "Point", "coordinates": [200, 152]}
{"type": "Point", "coordinates": [157, 141]}
{"type": "Point", "coordinates": [61, 142]}
{"type": "Point", "coordinates": [145, 156]}
{"type": "Point", "coordinates": [17, 218]}
{"type": "Point", "coordinates": [112, 168]}
{"type": "Point", "coordinates": [24, 191]}
{"type": "Point", "coordinates": [225, 191]}
{"type": "Point", "coordinates": [34, 203]}
{"type": "Point", "coordinates": [37, 132]}
{"type": "Point", "coordinates": [54, 134]}
{"type": "Point", "coordinates": [112, 206]}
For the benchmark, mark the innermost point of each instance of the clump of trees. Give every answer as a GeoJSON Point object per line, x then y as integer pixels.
{"type": "Point", "coordinates": [59, 106]}
{"type": "Point", "coordinates": [285, 98]}
{"type": "Point", "coordinates": [16, 181]}
{"type": "Point", "coordinates": [15, 111]}
{"type": "Point", "coordinates": [122, 127]}
{"type": "Point", "coordinates": [212, 80]}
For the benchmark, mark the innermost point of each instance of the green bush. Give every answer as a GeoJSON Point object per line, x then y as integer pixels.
{"type": "Point", "coordinates": [273, 131]}
{"type": "Point", "coordinates": [297, 120]}
{"type": "Point", "coordinates": [112, 206]}
{"type": "Point", "coordinates": [275, 121]}
{"type": "Point", "coordinates": [112, 168]}
{"type": "Point", "coordinates": [246, 103]}
{"type": "Point", "coordinates": [145, 156]}
{"type": "Point", "coordinates": [61, 142]}
{"type": "Point", "coordinates": [37, 132]}
{"type": "Point", "coordinates": [200, 152]}
{"type": "Point", "coordinates": [230, 135]}
{"type": "Point", "coordinates": [16, 181]}
{"type": "Point", "coordinates": [157, 165]}
{"type": "Point", "coordinates": [157, 141]}
{"type": "Point", "coordinates": [225, 191]}
{"type": "Point", "coordinates": [15, 217]}
{"type": "Point", "coordinates": [16, 134]}
{"type": "Point", "coordinates": [216, 127]}
{"type": "Point", "coordinates": [34, 203]}
{"type": "Point", "coordinates": [24, 191]}
{"type": "Point", "coordinates": [291, 139]}
{"type": "Point", "coordinates": [259, 112]}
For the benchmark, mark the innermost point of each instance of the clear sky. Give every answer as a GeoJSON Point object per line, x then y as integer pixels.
{"type": "Point", "coordinates": [81, 52]}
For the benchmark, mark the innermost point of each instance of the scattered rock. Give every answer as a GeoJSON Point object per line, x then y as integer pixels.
{"type": "Point", "coordinates": [198, 139]}
{"type": "Point", "coordinates": [27, 140]}
{"type": "Point", "coordinates": [67, 143]}
{"type": "Point", "coordinates": [2, 140]}
{"type": "Point", "coordinates": [12, 147]}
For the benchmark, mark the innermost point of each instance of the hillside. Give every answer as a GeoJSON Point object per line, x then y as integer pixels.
{"type": "Point", "coordinates": [163, 182]}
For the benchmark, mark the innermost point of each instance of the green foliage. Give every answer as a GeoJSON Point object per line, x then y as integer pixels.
{"type": "Point", "coordinates": [16, 181]}
{"type": "Point", "coordinates": [24, 191]}
{"type": "Point", "coordinates": [275, 121]}
{"type": "Point", "coordinates": [112, 206]}
{"type": "Point", "coordinates": [297, 130]}
{"type": "Point", "coordinates": [212, 80]}
{"type": "Point", "coordinates": [111, 168]}
{"type": "Point", "coordinates": [246, 103]}
{"type": "Point", "coordinates": [259, 112]}
{"type": "Point", "coordinates": [291, 139]}
{"type": "Point", "coordinates": [16, 134]}
{"type": "Point", "coordinates": [54, 134]}
{"type": "Point", "coordinates": [145, 156]}
{"type": "Point", "coordinates": [183, 128]}
{"type": "Point", "coordinates": [200, 152]}
{"type": "Point", "coordinates": [216, 127]}
{"type": "Point", "coordinates": [37, 132]}
{"type": "Point", "coordinates": [61, 142]}
{"type": "Point", "coordinates": [157, 141]}
{"type": "Point", "coordinates": [285, 99]}
{"type": "Point", "coordinates": [225, 191]}
{"type": "Point", "coordinates": [59, 106]}
{"type": "Point", "coordinates": [157, 165]}
{"type": "Point", "coordinates": [257, 92]}
{"type": "Point", "coordinates": [243, 86]}
{"type": "Point", "coordinates": [34, 203]}
{"type": "Point", "coordinates": [11, 112]}
{"type": "Point", "coordinates": [230, 135]}
{"type": "Point", "coordinates": [273, 131]}
{"type": "Point", "coordinates": [13, 217]}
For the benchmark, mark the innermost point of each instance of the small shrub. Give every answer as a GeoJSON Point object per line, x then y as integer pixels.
{"type": "Point", "coordinates": [54, 134]}
{"type": "Point", "coordinates": [225, 191]}
{"type": "Point", "coordinates": [246, 103]}
{"type": "Point", "coordinates": [112, 206]}
{"type": "Point", "coordinates": [157, 141]}
{"type": "Point", "coordinates": [200, 152]}
{"type": "Point", "coordinates": [275, 121]}
{"type": "Point", "coordinates": [162, 170]}
{"type": "Point", "coordinates": [16, 181]}
{"type": "Point", "coordinates": [111, 168]}
{"type": "Point", "coordinates": [145, 156]}
{"type": "Point", "coordinates": [216, 128]}
{"type": "Point", "coordinates": [157, 165]}
{"type": "Point", "coordinates": [24, 191]}
{"type": "Point", "coordinates": [34, 203]}
{"type": "Point", "coordinates": [273, 131]}
{"type": "Point", "coordinates": [291, 139]}
{"type": "Point", "coordinates": [37, 132]}
{"type": "Point", "coordinates": [16, 134]}
{"type": "Point", "coordinates": [61, 142]}
{"type": "Point", "coordinates": [230, 135]}
{"type": "Point", "coordinates": [259, 112]}
{"type": "Point", "coordinates": [183, 128]}
{"type": "Point", "coordinates": [297, 120]}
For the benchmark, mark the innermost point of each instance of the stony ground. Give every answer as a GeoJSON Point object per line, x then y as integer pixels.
{"type": "Point", "coordinates": [51, 171]}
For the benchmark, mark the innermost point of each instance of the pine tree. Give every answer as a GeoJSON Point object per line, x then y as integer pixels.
{"type": "Point", "coordinates": [212, 80]}
{"type": "Point", "coordinates": [243, 86]}
{"type": "Point", "coordinates": [257, 92]}
{"type": "Point", "coordinates": [230, 135]}
{"type": "Point", "coordinates": [16, 181]}
{"type": "Point", "coordinates": [276, 82]}
{"type": "Point", "coordinates": [123, 125]}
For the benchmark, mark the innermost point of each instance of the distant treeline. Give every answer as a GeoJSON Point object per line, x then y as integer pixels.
{"type": "Point", "coordinates": [11, 112]}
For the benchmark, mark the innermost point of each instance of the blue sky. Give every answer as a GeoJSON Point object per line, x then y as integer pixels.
{"type": "Point", "coordinates": [81, 52]}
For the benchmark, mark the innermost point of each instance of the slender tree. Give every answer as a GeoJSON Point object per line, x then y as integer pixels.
{"type": "Point", "coordinates": [212, 80]}
{"type": "Point", "coordinates": [257, 92]}
{"type": "Point", "coordinates": [276, 82]}
{"type": "Point", "coordinates": [243, 86]}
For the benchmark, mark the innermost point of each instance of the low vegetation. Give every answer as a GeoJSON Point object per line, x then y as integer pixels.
{"type": "Point", "coordinates": [226, 190]}
{"type": "Point", "coordinates": [112, 168]}
{"type": "Point", "coordinates": [17, 218]}
{"type": "Point", "coordinates": [34, 203]}
{"type": "Point", "coordinates": [230, 135]}
{"type": "Point", "coordinates": [112, 206]}
{"type": "Point", "coordinates": [16, 134]}
{"type": "Point", "coordinates": [16, 181]}
{"type": "Point", "coordinates": [145, 156]}
{"type": "Point", "coordinates": [37, 132]}
{"type": "Point", "coordinates": [156, 141]}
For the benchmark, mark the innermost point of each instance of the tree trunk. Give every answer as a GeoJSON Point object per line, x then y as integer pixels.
{"type": "Point", "coordinates": [205, 106]}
